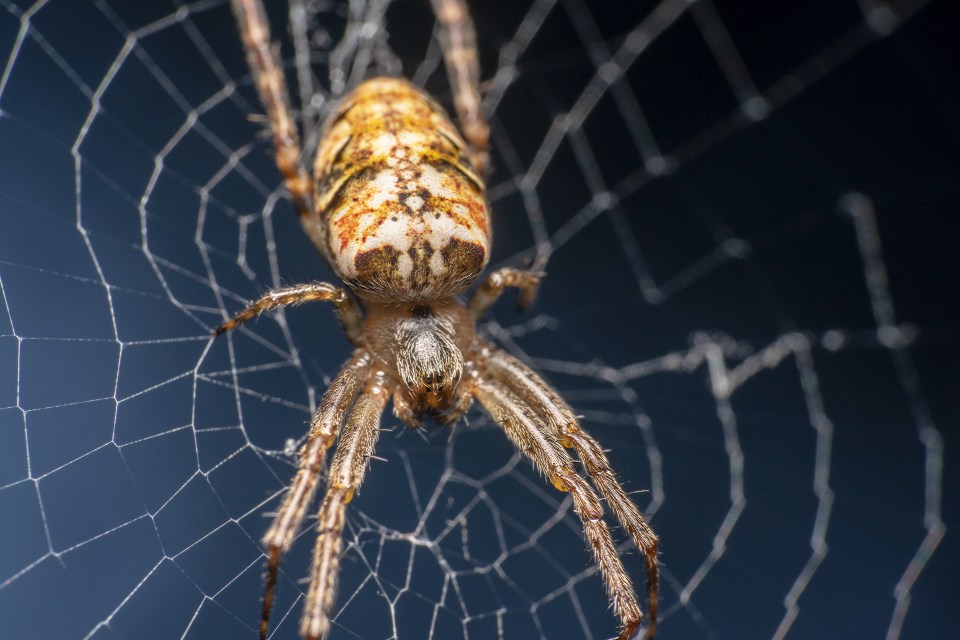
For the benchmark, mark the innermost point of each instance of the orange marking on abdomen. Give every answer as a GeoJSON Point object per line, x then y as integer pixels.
{"type": "Point", "coordinates": [392, 172]}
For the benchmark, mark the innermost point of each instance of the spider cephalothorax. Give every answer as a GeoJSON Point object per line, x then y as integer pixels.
{"type": "Point", "coordinates": [424, 347]}
{"type": "Point", "coordinates": [397, 206]}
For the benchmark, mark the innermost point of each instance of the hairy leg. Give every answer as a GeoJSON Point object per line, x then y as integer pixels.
{"type": "Point", "coordinates": [541, 445]}
{"type": "Point", "coordinates": [323, 431]}
{"type": "Point", "coordinates": [299, 294]}
{"type": "Point", "coordinates": [275, 99]}
{"type": "Point", "coordinates": [546, 402]}
{"type": "Point", "coordinates": [346, 475]}
{"type": "Point", "coordinates": [458, 39]}
{"type": "Point", "coordinates": [493, 287]}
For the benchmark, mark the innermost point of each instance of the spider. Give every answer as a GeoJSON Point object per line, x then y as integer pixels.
{"type": "Point", "coordinates": [396, 205]}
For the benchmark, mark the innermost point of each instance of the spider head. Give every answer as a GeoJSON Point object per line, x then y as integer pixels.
{"type": "Point", "coordinates": [428, 359]}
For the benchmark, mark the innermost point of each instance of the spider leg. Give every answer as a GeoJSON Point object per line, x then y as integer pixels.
{"type": "Point", "coordinates": [543, 447]}
{"type": "Point", "coordinates": [458, 40]}
{"type": "Point", "coordinates": [275, 98]}
{"type": "Point", "coordinates": [349, 464]}
{"type": "Point", "coordinates": [299, 294]}
{"type": "Point", "coordinates": [493, 287]}
{"type": "Point", "coordinates": [323, 431]}
{"type": "Point", "coordinates": [546, 402]}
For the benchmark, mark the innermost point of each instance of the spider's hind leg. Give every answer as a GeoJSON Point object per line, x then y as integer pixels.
{"type": "Point", "coordinates": [458, 39]}
{"type": "Point", "coordinates": [274, 96]}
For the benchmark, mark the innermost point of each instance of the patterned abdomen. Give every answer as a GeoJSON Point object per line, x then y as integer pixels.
{"type": "Point", "coordinates": [403, 212]}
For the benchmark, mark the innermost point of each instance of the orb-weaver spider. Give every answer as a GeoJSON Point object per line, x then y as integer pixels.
{"type": "Point", "coordinates": [397, 206]}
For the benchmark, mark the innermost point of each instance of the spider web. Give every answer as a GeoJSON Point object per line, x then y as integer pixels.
{"type": "Point", "coordinates": [742, 209]}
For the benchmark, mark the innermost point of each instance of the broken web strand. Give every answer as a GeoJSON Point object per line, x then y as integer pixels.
{"type": "Point", "coordinates": [271, 366]}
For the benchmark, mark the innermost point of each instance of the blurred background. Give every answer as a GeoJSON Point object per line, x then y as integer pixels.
{"type": "Point", "coordinates": [747, 212]}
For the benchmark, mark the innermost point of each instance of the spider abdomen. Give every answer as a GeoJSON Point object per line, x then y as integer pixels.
{"type": "Point", "coordinates": [404, 212]}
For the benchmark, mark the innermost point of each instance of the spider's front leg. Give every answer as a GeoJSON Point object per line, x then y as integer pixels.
{"type": "Point", "coordinates": [541, 445]}
{"type": "Point", "coordinates": [299, 294]}
{"type": "Point", "coordinates": [323, 431]}
{"type": "Point", "coordinates": [497, 282]}
{"type": "Point", "coordinates": [346, 475]}
{"type": "Point", "coordinates": [541, 397]}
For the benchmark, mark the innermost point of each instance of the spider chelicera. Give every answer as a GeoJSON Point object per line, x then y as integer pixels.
{"type": "Point", "coordinates": [397, 207]}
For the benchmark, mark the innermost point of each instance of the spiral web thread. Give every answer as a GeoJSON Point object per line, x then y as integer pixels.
{"type": "Point", "coordinates": [140, 456]}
